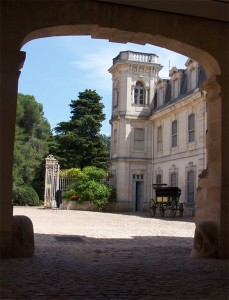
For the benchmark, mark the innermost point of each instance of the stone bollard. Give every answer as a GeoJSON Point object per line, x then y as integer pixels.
{"type": "Point", "coordinates": [205, 240]}
{"type": "Point", "coordinates": [22, 237]}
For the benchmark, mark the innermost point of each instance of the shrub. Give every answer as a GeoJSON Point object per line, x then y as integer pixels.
{"type": "Point", "coordinates": [91, 186]}
{"type": "Point", "coordinates": [91, 190]}
{"type": "Point", "coordinates": [25, 195]}
{"type": "Point", "coordinates": [70, 195]}
{"type": "Point", "coordinates": [94, 173]}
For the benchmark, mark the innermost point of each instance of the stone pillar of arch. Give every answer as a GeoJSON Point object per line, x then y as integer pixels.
{"type": "Point", "coordinates": [11, 63]}
{"type": "Point", "coordinates": [211, 235]}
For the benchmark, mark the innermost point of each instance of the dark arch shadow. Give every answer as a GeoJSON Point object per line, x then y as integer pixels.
{"type": "Point", "coordinates": [81, 267]}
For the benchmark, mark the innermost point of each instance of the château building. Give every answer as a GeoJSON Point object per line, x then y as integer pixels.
{"type": "Point", "coordinates": [158, 129]}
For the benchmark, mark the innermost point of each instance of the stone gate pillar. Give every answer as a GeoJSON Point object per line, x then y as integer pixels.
{"type": "Point", "coordinates": [52, 170]}
{"type": "Point", "coordinates": [11, 63]}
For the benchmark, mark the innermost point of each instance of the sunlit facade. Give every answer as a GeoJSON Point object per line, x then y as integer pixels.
{"type": "Point", "coordinates": [158, 129]}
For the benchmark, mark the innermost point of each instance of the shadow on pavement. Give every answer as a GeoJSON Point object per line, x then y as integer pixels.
{"type": "Point", "coordinates": [140, 267]}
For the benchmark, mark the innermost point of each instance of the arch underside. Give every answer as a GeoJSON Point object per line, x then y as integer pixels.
{"type": "Point", "coordinates": [116, 35]}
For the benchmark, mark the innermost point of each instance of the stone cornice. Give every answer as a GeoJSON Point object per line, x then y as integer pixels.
{"type": "Point", "coordinates": [132, 159]}
{"type": "Point", "coordinates": [178, 155]}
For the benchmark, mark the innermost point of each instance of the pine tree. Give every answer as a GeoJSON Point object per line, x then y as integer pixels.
{"type": "Point", "coordinates": [79, 139]}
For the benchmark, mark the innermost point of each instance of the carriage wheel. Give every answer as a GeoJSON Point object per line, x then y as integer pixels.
{"type": "Point", "coordinates": [162, 210]}
{"type": "Point", "coordinates": [152, 208]}
{"type": "Point", "coordinates": [173, 209]}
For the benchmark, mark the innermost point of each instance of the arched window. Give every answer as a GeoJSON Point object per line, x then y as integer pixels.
{"type": "Point", "coordinates": [139, 94]}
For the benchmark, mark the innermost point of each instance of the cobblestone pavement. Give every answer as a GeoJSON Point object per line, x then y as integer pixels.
{"type": "Point", "coordinates": [91, 255]}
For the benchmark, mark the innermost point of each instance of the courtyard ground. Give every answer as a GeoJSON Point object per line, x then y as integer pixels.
{"type": "Point", "coordinates": [92, 255]}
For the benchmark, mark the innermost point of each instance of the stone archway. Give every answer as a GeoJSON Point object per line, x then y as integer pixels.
{"type": "Point", "coordinates": [189, 36]}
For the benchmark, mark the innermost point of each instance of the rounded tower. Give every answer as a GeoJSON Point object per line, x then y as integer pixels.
{"type": "Point", "coordinates": [134, 75]}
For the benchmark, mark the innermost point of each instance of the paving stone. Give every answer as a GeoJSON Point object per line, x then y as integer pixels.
{"type": "Point", "coordinates": [91, 255]}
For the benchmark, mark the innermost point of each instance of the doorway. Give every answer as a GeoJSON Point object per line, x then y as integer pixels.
{"type": "Point", "coordinates": [139, 195]}
{"type": "Point", "coordinates": [138, 192]}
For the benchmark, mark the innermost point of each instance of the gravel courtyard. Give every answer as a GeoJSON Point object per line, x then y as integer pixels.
{"type": "Point", "coordinates": [91, 255]}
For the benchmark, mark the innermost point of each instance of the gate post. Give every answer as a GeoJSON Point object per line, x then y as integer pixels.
{"type": "Point", "coordinates": [52, 169]}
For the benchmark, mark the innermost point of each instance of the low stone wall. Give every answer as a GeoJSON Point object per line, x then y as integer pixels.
{"type": "Point", "coordinates": [74, 205]}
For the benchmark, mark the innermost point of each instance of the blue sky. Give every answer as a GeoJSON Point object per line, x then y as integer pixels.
{"type": "Point", "coordinates": [56, 69]}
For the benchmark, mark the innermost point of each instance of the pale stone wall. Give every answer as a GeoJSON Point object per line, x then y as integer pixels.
{"type": "Point", "coordinates": [148, 162]}
{"type": "Point", "coordinates": [185, 156]}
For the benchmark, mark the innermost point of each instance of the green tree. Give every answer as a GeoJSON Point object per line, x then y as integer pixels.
{"type": "Point", "coordinates": [80, 141]}
{"type": "Point", "coordinates": [32, 133]}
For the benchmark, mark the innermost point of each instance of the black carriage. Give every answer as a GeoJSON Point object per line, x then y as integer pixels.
{"type": "Point", "coordinates": [166, 197]}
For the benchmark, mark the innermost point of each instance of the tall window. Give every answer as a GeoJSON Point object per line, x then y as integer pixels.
{"type": "Point", "coordinates": [115, 140]}
{"type": "Point", "coordinates": [116, 93]}
{"type": "Point", "coordinates": [173, 179]}
{"type": "Point", "coordinates": [191, 128]}
{"type": "Point", "coordinates": [159, 138]}
{"type": "Point", "coordinates": [139, 94]}
{"type": "Point", "coordinates": [159, 179]}
{"type": "Point", "coordinates": [139, 137]}
{"type": "Point", "coordinates": [191, 186]}
{"type": "Point", "coordinates": [174, 133]}
{"type": "Point", "coordinates": [116, 96]}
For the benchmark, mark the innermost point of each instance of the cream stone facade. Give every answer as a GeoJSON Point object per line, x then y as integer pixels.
{"type": "Point", "coordinates": [158, 130]}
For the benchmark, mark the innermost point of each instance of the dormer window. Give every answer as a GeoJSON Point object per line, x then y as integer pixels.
{"type": "Point", "coordinates": [175, 75]}
{"type": "Point", "coordinates": [139, 94]}
{"type": "Point", "coordinates": [192, 79]}
{"type": "Point", "coordinates": [192, 67]}
{"type": "Point", "coordinates": [175, 88]}
{"type": "Point", "coordinates": [160, 96]}
{"type": "Point", "coordinates": [161, 89]}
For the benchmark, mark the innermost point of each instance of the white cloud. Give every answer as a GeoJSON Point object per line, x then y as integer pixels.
{"type": "Point", "coordinates": [94, 65]}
